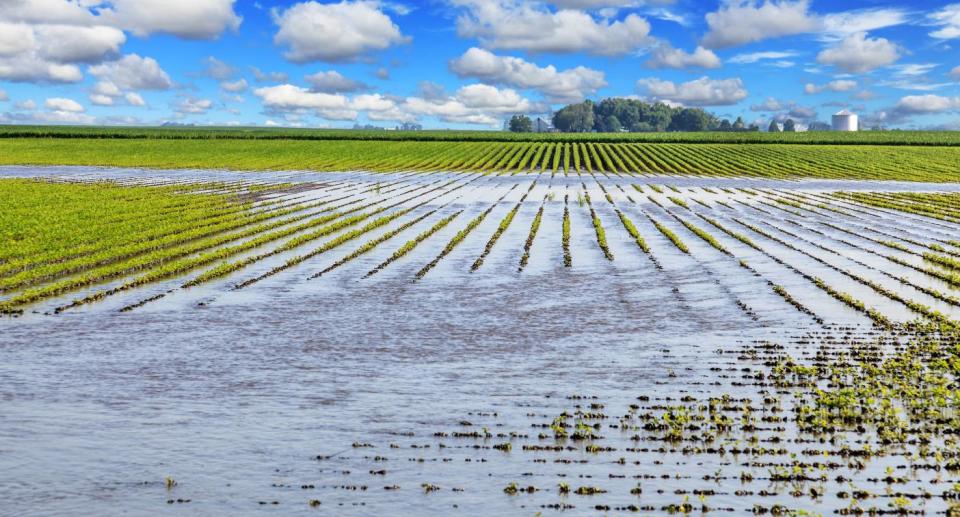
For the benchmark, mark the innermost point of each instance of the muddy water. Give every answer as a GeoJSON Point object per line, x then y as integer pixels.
{"type": "Point", "coordinates": [236, 398]}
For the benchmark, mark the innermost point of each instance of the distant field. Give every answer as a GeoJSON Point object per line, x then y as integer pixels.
{"type": "Point", "coordinates": [925, 138]}
{"type": "Point", "coordinates": [768, 160]}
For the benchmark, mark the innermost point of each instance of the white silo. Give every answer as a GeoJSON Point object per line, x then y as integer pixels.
{"type": "Point", "coordinates": [844, 121]}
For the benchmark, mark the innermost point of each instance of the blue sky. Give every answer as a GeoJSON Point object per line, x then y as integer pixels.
{"type": "Point", "coordinates": [472, 63]}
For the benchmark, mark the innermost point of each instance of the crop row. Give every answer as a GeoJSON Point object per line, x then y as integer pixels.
{"type": "Point", "coordinates": [769, 160]}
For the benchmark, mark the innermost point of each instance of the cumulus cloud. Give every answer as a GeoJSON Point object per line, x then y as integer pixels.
{"type": "Point", "coordinates": [28, 67]}
{"type": "Point", "coordinates": [238, 86]}
{"type": "Point", "coordinates": [133, 72]}
{"type": "Point", "coordinates": [857, 53]}
{"type": "Point", "coordinates": [343, 31]}
{"type": "Point", "coordinates": [101, 100]}
{"type": "Point", "coordinates": [699, 92]}
{"type": "Point", "coordinates": [189, 19]}
{"type": "Point", "coordinates": [49, 53]}
{"type": "Point", "coordinates": [925, 104]}
{"type": "Point", "coordinates": [955, 73]}
{"type": "Point", "coordinates": [65, 43]}
{"type": "Point", "coordinates": [665, 56]}
{"type": "Point", "coordinates": [770, 104]}
{"type": "Point", "coordinates": [739, 22]}
{"type": "Point", "coordinates": [513, 24]}
{"type": "Point", "coordinates": [287, 97]}
{"type": "Point", "coordinates": [264, 77]}
{"type": "Point", "coordinates": [332, 81]}
{"type": "Point", "coordinates": [840, 85]}
{"type": "Point", "coordinates": [27, 105]}
{"type": "Point", "coordinates": [134, 99]}
{"type": "Point", "coordinates": [570, 85]}
{"type": "Point", "coordinates": [47, 40]}
{"type": "Point", "coordinates": [216, 69]}
{"type": "Point", "coordinates": [63, 104]}
{"type": "Point", "coordinates": [948, 19]}
{"type": "Point", "coordinates": [745, 21]}
{"type": "Point", "coordinates": [597, 4]}
{"type": "Point", "coordinates": [192, 106]}
{"type": "Point", "coordinates": [474, 104]}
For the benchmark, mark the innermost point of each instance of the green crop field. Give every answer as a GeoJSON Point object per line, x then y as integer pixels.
{"type": "Point", "coordinates": [175, 149]}
{"type": "Point", "coordinates": [926, 138]}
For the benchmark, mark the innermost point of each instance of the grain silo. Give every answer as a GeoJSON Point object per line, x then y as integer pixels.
{"type": "Point", "coordinates": [844, 121]}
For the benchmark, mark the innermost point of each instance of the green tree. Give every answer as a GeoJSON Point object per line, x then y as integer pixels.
{"type": "Point", "coordinates": [725, 125]}
{"type": "Point", "coordinates": [575, 118]}
{"type": "Point", "coordinates": [773, 127]}
{"type": "Point", "coordinates": [738, 124]}
{"type": "Point", "coordinates": [521, 124]}
{"type": "Point", "coordinates": [612, 124]}
{"type": "Point", "coordinates": [789, 126]}
{"type": "Point", "coordinates": [690, 119]}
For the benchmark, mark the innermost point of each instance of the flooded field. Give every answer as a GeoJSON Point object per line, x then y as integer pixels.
{"type": "Point", "coordinates": [411, 344]}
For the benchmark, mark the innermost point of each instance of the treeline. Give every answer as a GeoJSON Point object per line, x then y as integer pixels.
{"type": "Point", "coordinates": [634, 116]}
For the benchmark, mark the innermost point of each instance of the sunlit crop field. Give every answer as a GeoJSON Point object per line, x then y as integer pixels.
{"type": "Point", "coordinates": [900, 160]}
{"type": "Point", "coordinates": [580, 332]}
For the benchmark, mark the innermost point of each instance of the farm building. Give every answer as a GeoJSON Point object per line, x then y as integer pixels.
{"type": "Point", "coordinates": [844, 121]}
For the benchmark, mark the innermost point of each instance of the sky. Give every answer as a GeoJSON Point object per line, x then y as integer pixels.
{"type": "Point", "coordinates": [472, 63]}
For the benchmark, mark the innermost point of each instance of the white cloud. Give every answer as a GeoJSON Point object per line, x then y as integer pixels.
{"type": "Point", "coordinates": [48, 53]}
{"type": "Point", "coordinates": [263, 77]}
{"type": "Point", "coordinates": [193, 106]}
{"type": "Point", "coordinates": [699, 92]}
{"type": "Point", "coordinates": [913, 69]}
{"type": "Point", "coordinates": [857, 53]}
{"type": "Point", "coordinates": [27, 105]}
{"type": "Point", "coordinates": [665, 56]}
{"type": "Point", "coordinates": [596, 4]}
{"type": "Point", "coordinates": [333, 82]}
{"type": "Point", "coordinates": [744, 21]}
{"type": "Point", "coordinates": [29, 67]}
{"type": "Point", "coordinates": [513, 24]}
{"type": "Point", "coordinates": [289, 97]}
{"type": "Point", "coordinates": [46, 40]}
{"type": "Point", "coordinates": [48, 117]}
{"type": "Point", "coordinates": [334, 32]}
{"type": "Point", "coordinates": [918, 105]}
{"type": "Point", "coordinates": [63, 104]}
{"type": "Point", "coordinates": [753, 57]}
{"type": "Point", "coordinates": [3, 96]}
{"type": "Point", "coordinates": [133, 72]}
{"type": "Point", "coordinates": [216, 69]}
{"type": "Point", "coordinates": [837, 26]}
{"type": "Point", "coordinates": [570, 85]}
{"type": "Point", "coordinates": [948, 19]}
{"type": "Point", "coordinates": [924, 104]}
{"type": "Point", "coordinates": [739, 22]}
{"type": "Point", "coordinates": [101, 100]}
{"type": "Point", "coordinates": [66, 43]}
{"type": "Point", "coordinates": [476, 104]}
{"type": "Point", "coordinates": [189, 19]}
{"type": "Point", "coordinates": [840, 85]}
{"type": "Point", "coordinates": [106, 88]}
{"type": "Point", "coordinates": [237, 86]}
{"type": "Point", "coordinates": [484, 96]}
{"type": "Point", "coordinates": [955, 73]}
{"type": "Point", "coordinates": [134, 99]}
{"type": "Point", "coordinates": [770, 104]}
